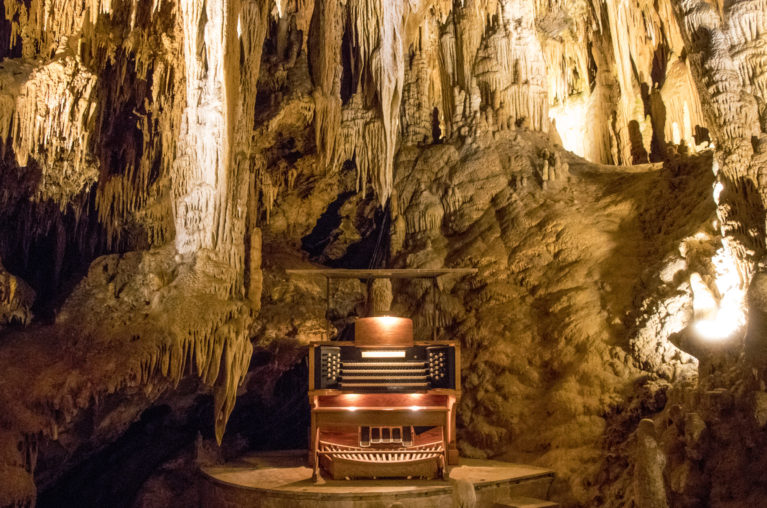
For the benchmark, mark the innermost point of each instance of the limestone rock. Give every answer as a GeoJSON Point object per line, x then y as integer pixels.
{"type": "Point", "coordinates": [648, 482]}
{"type": "Point", "coordinates": [16, 299]}
{"type": "Point", "coordinates": [760, 408]}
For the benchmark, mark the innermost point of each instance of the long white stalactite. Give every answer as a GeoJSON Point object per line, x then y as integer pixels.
{"type": "Point", "coordinates": [202, 147]}
{"type": "Point", "coordinates": [378, 27]}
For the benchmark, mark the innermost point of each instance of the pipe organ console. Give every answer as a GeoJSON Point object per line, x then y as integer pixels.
{"type": "Point", "coordinates": [383, 405]}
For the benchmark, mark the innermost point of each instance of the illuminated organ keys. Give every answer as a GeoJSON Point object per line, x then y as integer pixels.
{"type": "Point", "coordinates": [414, 368]}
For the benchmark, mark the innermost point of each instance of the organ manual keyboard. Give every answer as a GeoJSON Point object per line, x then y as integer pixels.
{"type": "Point", "coordinates": [383, 405]}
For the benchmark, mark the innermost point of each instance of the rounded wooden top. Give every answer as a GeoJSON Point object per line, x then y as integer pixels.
{"type": "Point", "coordinates": [383, 331]}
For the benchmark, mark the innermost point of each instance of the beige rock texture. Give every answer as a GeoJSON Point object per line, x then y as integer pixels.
{"type": "Point", "coordinates": [602, 164]}
{"type": "Point", "coordinates": [16, 299]}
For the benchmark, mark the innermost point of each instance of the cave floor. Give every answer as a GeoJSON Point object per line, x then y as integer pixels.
{"type": "Point", "coordinates": [283, 478]}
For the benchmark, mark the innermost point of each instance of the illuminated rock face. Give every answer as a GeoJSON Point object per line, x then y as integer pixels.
{"type": "Point", "coordinates": [163, 161]}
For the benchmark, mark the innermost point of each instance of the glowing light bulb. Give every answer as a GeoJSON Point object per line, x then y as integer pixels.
{"type": "Point", "coordinates": [718, 320]}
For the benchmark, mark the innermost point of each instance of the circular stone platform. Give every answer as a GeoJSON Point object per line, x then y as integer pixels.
{"type": "Point", "coordinates": [283, 479]}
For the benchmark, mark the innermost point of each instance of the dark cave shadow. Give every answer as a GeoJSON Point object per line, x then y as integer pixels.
{"type": "Point", "coordinates": [372, 250]}
{"type": "Point", "coordinates": [280, 421]}
{"type": "Point", "coordinates": [638, 152]}
{"type": "Point", "coordinates": [48, 247]}
{"type": "Point", "coordinates": [320, 237]}
{"type": "Point", "coordinates": [369, 252]}
{"type": "Point", "coordinates": [113, 476]}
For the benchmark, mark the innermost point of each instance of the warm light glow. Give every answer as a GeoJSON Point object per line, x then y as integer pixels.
{"type": "Point", "coordinates": [387, 320]}
{"type": "Point", "coordinates": [717, 319]}
{"type": "Point", "coordinates": [703, 300]}
{"type": "Point", "coordinates": [676, 134]}
{"type": "Point", "coordinates": [383, 354]}
{"type": "Point", "coordinates": [701, 236]}
{"type": "Point", "coordinates": [350, 397]}
{"type": "Point", "coordinates": [571, 123]}
{"type": "Point", "coordinates": [351, 408]}
{"type": "Point", "coordinates": [717, 191]}
{"type": "Point", "coordinates": [415, 408]}
{"type": "Point", "coordinates": [203, 138]}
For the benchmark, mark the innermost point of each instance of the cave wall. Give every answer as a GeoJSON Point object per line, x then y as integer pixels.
{"type": "Point", "coordinates": [163, 162]}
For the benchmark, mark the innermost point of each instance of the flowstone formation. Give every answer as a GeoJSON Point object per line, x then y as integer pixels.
{"type": "Point", "coordinates": [600, 163]}
{"type": "Point", "coordinates": [552, 346]}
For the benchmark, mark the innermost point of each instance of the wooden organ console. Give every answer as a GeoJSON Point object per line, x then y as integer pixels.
{"type": "Point", "coordinates": [383, 405]}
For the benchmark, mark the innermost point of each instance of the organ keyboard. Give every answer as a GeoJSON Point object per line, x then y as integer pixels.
{"type": "Point", "coordinates": [391, 370]}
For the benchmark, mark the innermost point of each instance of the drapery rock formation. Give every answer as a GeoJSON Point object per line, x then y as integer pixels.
{"type": "Point", "coordinates": [601, 163]}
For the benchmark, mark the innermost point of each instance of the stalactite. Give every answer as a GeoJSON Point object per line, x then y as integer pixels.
{"type": "Point", "coordinates": [328, 25]}
{"type": "Point", "coordinates": [377, 31]}
{"type": "Point", "coordinates": [139, 188]}
{"type": "Point", "coordinates": [191, 164]}
{"type": "Point", "coordinates": [510, 69]}
{"type": "Point", "coordinates": [423, 111]}
{"type": "Point", "coordinates": [203, 144]}
{"type": "Point", "coordinates": [241, 70]}
{"type": "Point", "coordinates": [46, 117]}
{"type": "Point", "coordinates": [67, 109]}
{"type": "Point", "coordinates": [214, 340]}
{"type": "Point", "coordinates": [469, 22]}
{"type": "Point", "coordinates": [638, 43]}
{"type": "Point", "coordinates": [194, 175]}
{"type": "Point", "coordinates": [447, 71]}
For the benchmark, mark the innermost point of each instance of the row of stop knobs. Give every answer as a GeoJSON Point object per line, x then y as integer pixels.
{"type": "Point", "coordinates": [437, 365]}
